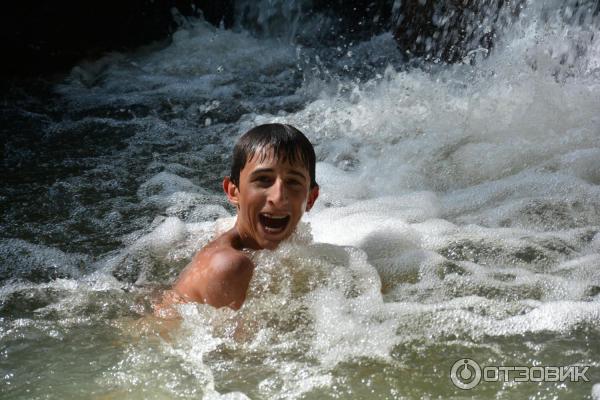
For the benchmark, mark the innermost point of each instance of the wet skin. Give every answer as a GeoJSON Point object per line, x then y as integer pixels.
{"type": "Point", "coordinates": [271, 197]}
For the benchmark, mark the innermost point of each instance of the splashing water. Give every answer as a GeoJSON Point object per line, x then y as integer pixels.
{"type": "Point", "coordinates": [458, 218]}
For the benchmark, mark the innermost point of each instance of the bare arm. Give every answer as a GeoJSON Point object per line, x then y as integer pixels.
{"type": "Point", "coordinates": [220, 279]}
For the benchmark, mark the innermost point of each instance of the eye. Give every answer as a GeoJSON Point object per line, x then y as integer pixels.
{"type": "Point", "coordinates": [295, 183]}
{"type": "Point", "coordinates": [263, 180]}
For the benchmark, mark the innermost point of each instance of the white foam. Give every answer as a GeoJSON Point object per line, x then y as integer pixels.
{"type": "Point", "coordinates": [171, 231]}
{"type": "Point", "coordinates": [383, 220]}
{"type": "Point", "coordinates": [596, 391]}
{"type": "Point", "coordinates": [584, 164]}
{"type": "Point", "coordinates": [347, 329]}
{"type": "Point", "coordinates": [193, 207]}
{"type": "Point", "coordinates": [151, 74]}
{"type": "Point", "coordinates": [559, 316]}
{"type": "Point", "coordinates": [164, 184]}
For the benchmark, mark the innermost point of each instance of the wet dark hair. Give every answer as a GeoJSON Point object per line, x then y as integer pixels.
{"type": "Point", "coordinates": [287, 143]}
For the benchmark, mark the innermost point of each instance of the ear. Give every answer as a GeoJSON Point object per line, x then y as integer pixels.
{"type": "Point", "coordinates": [231, 191]}
{"type": "Point", "coordinates": [312, 197]}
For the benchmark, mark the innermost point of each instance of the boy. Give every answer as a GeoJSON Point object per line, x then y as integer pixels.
{"type": "Point", "coordinates": [272, 183]}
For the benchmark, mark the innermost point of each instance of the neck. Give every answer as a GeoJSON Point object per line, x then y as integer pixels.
{"type": "Point", "coordinates": [240, 240]}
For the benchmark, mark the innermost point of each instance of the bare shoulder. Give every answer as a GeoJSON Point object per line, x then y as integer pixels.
{"type": "Point", "coordinates": [218, 275]}
{"type": "Point", "coordinates": [226, 261]}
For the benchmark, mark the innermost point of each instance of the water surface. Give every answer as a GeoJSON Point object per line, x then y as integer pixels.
{"type": "Point", "coordinates": [458, 218]}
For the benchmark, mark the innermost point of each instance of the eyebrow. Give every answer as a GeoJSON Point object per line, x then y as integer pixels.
{"type": "Point", "coordinates": [268, 170]}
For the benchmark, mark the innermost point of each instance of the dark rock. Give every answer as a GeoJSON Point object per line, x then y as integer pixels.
{"type": "Point", "coordinates": [451, 30]}
{"type": "Point", "coordinates": [358, 17]}
{"type": "Point", "coordinates": [216, 12]}
{"type": "Point", "coordinates": [48, 37]}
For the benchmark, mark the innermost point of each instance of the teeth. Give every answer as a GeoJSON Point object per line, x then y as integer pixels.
{"type": "Point", "coordinates": [275, 216]}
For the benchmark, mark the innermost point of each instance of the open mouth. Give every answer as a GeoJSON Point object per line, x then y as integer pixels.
{"type": "Point", "coordinates": [274, 223]}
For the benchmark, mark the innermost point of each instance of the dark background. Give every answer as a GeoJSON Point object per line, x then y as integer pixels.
{"type": "Point", "coordinates": [46, 37]}
{"type": "Point", "coordinates": [51, 36]}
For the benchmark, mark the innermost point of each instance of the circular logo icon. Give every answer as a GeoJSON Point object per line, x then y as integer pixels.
{"type": "Point", "coordinates": [465, 374]}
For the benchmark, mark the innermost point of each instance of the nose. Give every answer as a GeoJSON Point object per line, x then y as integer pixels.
{"type": "Point", "coordinates": [277, 194]}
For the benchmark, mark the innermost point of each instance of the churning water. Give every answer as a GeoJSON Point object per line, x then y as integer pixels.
{"type": "Point", "coordinates": [459, 216]}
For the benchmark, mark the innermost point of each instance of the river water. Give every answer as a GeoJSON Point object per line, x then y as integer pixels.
{"type": "Point", "coordinates": [459, 215]}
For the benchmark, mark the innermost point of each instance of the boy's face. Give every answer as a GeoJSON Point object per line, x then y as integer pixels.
{"type": "Point", "coordinates": [271, 198]}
